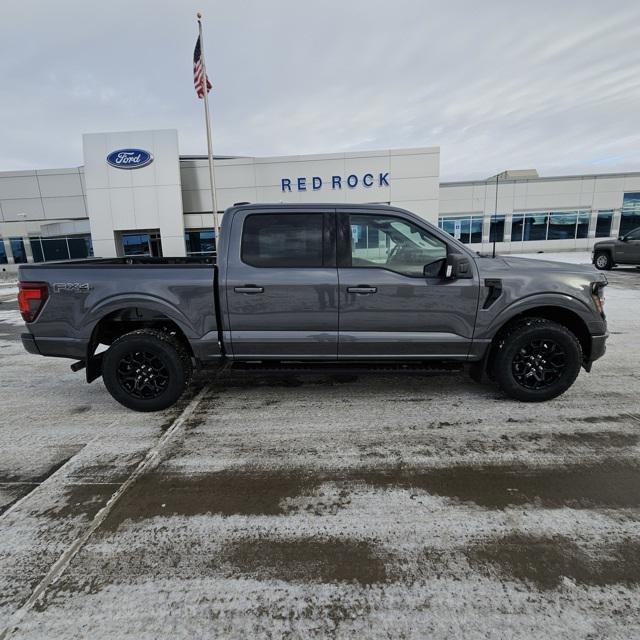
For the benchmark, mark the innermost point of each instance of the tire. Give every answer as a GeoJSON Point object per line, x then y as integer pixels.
{"type": "Point", "coordinates": [147, 370]}
{"type": "Point", "coordinates": [537, 360]}
{"type": "Point", "coordinates": [602, 260]}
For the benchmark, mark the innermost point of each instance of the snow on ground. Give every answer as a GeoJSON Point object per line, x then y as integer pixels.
{"type": "Point", "coordinates": [322, 507]}
{"type": "Point", "coordinates": [11, 317]}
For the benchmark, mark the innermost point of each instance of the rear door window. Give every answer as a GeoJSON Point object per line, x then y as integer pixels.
{"type": "Point", "coordinates": [283, 240]}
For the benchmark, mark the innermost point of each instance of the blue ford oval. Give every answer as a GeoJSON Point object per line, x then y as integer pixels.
{"type": "Point", "coordinates": [129, 158]}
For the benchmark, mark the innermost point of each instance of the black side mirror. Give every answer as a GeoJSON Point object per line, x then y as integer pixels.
{"type": "Point", "coordinates": [458, 266]}
{"type": "Point", "coordinates": [435, 269]}
{"type": "Point", "coordinates": [622, 238]}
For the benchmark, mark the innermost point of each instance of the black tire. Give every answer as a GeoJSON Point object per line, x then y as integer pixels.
{"type": "Point", "coordinates": [602, 260]}
{"type": "Point", "coordinates": [147, 370]}
{"type": "Point", "coordinates": [537, 360]}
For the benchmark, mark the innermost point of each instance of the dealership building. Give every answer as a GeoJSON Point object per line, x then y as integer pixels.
{"type": "Point", "coordinates": [135, 194]}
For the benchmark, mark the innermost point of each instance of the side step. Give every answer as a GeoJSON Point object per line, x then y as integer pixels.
{"type": "Point", "coordinates": [347, 367]}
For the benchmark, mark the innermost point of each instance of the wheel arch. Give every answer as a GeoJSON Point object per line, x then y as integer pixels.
{"type": "Point", "coordinates": [122, 320]}
{"type": "Point", "coordinates": [568, 318]}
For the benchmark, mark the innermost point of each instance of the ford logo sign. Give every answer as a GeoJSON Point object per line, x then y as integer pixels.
{"type": "Point", "coordinates": [129, 158]}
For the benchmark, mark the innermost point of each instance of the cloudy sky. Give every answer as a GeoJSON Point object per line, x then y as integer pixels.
{"type": "Point", "coordinates": [497, 85]}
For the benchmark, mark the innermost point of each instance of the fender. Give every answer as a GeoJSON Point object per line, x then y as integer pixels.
{"type": "Point", "coordinates": [562, 301]}
{"type": "Point", "coordinates": [145, 301]}
{"type": "Point", "coordinates": [91, 320]}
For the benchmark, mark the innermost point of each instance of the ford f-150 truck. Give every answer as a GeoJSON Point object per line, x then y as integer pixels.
{"type": "Point", "coordinates": [317, 287]}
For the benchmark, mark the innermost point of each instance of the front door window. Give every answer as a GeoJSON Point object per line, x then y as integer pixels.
{"type": "Point", "coordinates": [393, 244]}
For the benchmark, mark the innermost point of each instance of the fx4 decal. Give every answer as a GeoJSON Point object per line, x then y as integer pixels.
{"type": "Point", "coordinates": [71, 287]}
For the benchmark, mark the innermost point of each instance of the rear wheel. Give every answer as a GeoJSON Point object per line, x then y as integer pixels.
{"type": "Point", "coordinates": [146, 370]}
{"type": "Point", "coordinates": [602, 260]}
{"type": "Point", "coordinates": [537, 360]}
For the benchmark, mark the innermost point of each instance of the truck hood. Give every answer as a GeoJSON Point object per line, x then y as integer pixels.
{"type": "Point", "coordinates": [548, 265]}
{"type": "Point", "coordinates": [532, 265]}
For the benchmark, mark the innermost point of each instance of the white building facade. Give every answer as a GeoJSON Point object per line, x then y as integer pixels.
{"type": "Point", "coordinates": [135, 194]}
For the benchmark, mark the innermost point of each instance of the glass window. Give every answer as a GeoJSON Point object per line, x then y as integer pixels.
{"type": "Point", "coordinates": [448, 225]}
{"type": "Point", "coordinates": [582, 230]}
{"type": "Point", "coordinates": [79, 248]}
{"type": "Point", "coordinates": [466, 229]}
{"type": "Point", "coordinates": [634, 234]}
{"type": "Point", "coordinates": [496, 229]}
{"type": "Point", "coordinates": [135, 244]}
{"type": "Point", "coordinates": [517, 226]}
{"type": "Point", "coordinates": [3, 253]}
{"type": "Point", "coordinates": [36, 249]}
{"type": "Point", "coordinates": [18, 251]}
{"type": "Point", "coordinates": [603, 224]}
{"type": "Point", "coordinates": [55, 249]}
{"type": "Point", "coordinates": [394, 244]}
{"type": "Point", "coordinates": [283, 240]}
{"type": "Point", "coordinates": [630, 218]}
{"type": "Point", "coordinates": [535, 226]}
{"type": "Point", "coordinates": [200, 242]}
{"type": "Point", "coordinates": [476, 229]}
{"type": "Point", "coordinates": [562, 226]}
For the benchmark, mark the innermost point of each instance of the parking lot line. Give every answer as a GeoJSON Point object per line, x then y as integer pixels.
{"type": "Point", "coordinates": [58, 568]}
{"type": "Point", "coordinates": [36, 485]}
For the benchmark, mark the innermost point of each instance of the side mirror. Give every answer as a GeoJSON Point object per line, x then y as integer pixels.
{"type": "Point", "coordinates": [622, 238]}
{"type": "Point", "coordinates": [435, 269]}
{"type": "Point", "coordinates": [458, 266]}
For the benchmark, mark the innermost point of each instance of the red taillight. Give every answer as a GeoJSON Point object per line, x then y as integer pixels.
{"type": "Point", "coordinates": [31, 299]}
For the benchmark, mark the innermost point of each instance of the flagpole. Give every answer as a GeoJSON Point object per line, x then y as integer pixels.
{"type": "Point", "coordinates": [216, 226]}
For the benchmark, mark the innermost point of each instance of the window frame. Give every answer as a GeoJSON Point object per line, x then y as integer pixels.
{"type": "Point", "coordinates": [200, 230]}
{"type": "Point", "coordinates": [345, 254]}
{"type": "Point", "coordinates": [497, 221]}
{"type": "Point", "coordinates": [328, 238]}
{"type": "Point", "coordinates": [23, 250]}
{"type": "Point", "coordinates": [603, 214]}
{"type": "Point", "coordinates": [468, 220]}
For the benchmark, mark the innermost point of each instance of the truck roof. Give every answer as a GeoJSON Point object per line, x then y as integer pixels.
{"type": "Point", "coordinates": [311, 205]}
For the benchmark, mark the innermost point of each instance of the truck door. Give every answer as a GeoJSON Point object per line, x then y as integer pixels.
{"type": "Point", "coordinates": [388, 308]}
{"type": "Point", "coordinates": [282, 285]}
{"type": "Point", "coordinates": [628, 252]}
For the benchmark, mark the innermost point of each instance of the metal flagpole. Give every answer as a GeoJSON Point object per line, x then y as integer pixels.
{"type": "Point", "coordinates": [208, 121]}
{"type": "Point", "coordinates": [495, 212]}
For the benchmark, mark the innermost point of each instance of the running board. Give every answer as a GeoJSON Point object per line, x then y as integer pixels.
{"type": "Point", "coordinates": [347, 367]}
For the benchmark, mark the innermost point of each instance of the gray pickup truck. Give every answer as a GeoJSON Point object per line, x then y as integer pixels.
{"type": "Point", "coordinates": [625, 250]}
{"type": "Point", "coordinates": [317, 288]}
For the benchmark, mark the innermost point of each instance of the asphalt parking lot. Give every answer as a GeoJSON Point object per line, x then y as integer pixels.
{"type": "Point", "coordinates": [382, 507]}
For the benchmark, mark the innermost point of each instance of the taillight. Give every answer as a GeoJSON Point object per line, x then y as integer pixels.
{"type": "Point", "coordinates": [31, 299]}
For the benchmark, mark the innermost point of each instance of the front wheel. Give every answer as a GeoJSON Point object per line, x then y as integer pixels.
{"type": "Point", "coordinates": [602, 260]}
{"type": "Point", "coordinates": [146, 370]}
{"type": "Point", "coordinates": [537, 360]}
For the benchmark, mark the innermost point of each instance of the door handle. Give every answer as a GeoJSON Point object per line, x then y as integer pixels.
{"type": "Point", "coordinates": [249, 288]}
{"type": "Point", "coordinates": [364, 289]}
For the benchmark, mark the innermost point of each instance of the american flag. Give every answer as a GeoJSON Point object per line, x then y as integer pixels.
{"type": "Point", "coordinates": [198, 72]}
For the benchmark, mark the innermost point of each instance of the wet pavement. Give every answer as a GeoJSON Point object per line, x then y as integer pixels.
{"type": "Point", "coordinates": [316, 506]}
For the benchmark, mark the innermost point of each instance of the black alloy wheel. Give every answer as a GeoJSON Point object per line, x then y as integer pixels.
{"type": "Point", "coordinates": [539, 364]}
{"type": "Point", "coordinates": [536, 359]}
{"type": "Point", "coordinates": [142, 374]}
{"type": "Point", "coordinates": [147, 369]}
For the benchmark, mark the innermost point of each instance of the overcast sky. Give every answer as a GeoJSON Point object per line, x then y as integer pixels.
{"type": "Point", "coordinates": [497, 85]}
